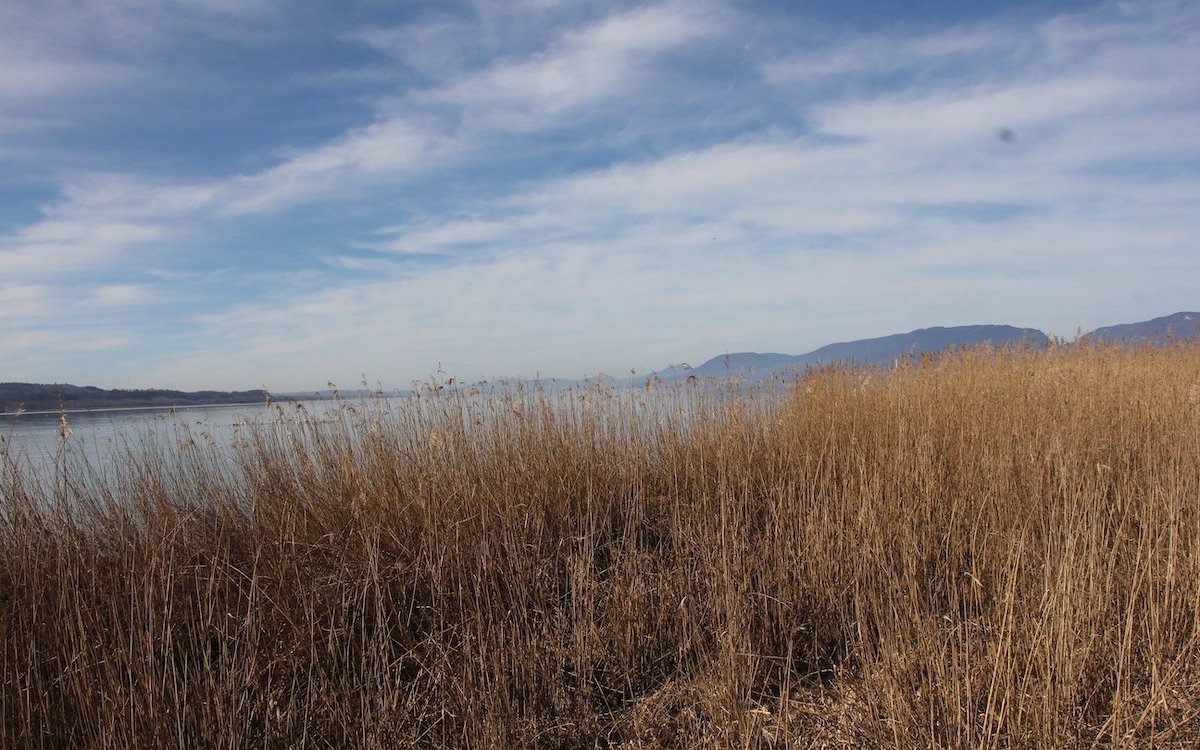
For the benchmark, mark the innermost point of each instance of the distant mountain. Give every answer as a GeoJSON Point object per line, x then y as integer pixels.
{"type": "Point", "coordinates": [746, 361]}
{"type": "Point", "coordinates": [40, 397]}
{"type": "Point", "coordinates": [1160, 331]}
{"type": "Point", "coordinates": [881, 350]}
{"type": "Point", "coordinates": [752, 365]}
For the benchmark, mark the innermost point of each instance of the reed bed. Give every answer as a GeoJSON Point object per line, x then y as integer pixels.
{"type": "Point", "coordinates": [989, 549]}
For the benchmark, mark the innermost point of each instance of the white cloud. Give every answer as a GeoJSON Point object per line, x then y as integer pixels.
{"type": "Point", "coordinates": [898, 211]}
{"type": "Point", "coordinates": [23, 301]}
{"type": "Point", "coordinates": [657, 295]}
{"type": "Point", "coordinates": [974, 114]}
{"type": "Point", "coordinates": [445, 237]}
{"type": "Point", "coordinates": [115, 295]}
{"type": "Point", "coordinates": [61, 248]}
{"type": "Point", "coordinates": [28, 79]}
{"type": "Point", "coordinates": [859, 211]}
{"type": "Point", "coordinates": [583, 67]}
{"type": "Point", "coordinates": [907, 51]}
{"type": "Point", "coordinates": [388, 150]}
{"type": "Point", "coordinates": [34, 349]}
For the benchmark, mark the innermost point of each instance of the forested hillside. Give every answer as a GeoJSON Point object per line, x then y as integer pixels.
{"type": "Point", "coordinates": [41, 397]}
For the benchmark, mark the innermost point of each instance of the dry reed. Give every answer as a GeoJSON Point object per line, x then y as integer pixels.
{"type": "Point", "coordinates": [990, 549]}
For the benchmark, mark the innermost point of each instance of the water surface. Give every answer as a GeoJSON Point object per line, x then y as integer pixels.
{"type": "Point", "coordinates": [34, 440]}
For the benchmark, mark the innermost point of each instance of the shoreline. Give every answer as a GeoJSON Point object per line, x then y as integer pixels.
{"type": "Point", "coordinates": [108, 409]}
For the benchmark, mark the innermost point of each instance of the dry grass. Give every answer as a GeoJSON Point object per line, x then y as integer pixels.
{"type": "Point", "coordinates": [990, 550]}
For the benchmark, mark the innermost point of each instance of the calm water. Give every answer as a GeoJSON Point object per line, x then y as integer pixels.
{"type": "Point", "coordinates": [33, 440]}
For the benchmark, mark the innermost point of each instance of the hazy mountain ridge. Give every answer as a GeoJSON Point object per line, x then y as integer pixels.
{"type": "Point", "coordinates": [883, 349]}
{"type": "Point", "coordinates": [878, 350]}
{"type": "Point", "coordinates": [753, 365]}
{"type": "Point", "coordinates": [1179, 326]}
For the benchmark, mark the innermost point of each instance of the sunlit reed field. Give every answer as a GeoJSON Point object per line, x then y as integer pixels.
{"type": "Point", "coordinates": [993, 549]}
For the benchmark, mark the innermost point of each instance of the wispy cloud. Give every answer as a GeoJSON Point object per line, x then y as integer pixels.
{"type": "Point", "coordinates": [615, 189]}
{"type": "Point", "coordinates": [111, 295]}
{"type": "Point", "coordinates": [584, 65]}
{"type": "Point", "coordinates": [21, 302]}
{"type": "Point", "coordinates": [64, 247]}
{"type": "Point", "coordinates": [597, 63]}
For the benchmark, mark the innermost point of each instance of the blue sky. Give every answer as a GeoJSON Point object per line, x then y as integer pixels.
{"type": "Point", "coordinates": [235, 193]}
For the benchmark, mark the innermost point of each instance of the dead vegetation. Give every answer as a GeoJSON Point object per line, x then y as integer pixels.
{"type": "Point", "coordinates": [987, 550]}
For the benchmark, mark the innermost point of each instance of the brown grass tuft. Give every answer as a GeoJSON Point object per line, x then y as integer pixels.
{"type": "Point", "coordinates": [992, 549]}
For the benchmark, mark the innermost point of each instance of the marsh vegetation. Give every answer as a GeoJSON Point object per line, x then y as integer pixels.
{"type": "Point", "coordinates": [989, 549]}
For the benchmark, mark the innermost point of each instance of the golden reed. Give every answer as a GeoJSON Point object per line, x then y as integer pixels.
{"type": "Point", "coordinates": [989, 549]}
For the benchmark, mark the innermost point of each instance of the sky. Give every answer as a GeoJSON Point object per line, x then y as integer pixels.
{"type": "Point", "coordinates": [235, 194]}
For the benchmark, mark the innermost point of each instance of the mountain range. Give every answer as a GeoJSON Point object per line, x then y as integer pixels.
{"type": "Point", "coordinates": [1177, 327]}
{"type": "Point", "coordinates": [751, 365]}
{"type": "Point", "coordinates": [885, 349]}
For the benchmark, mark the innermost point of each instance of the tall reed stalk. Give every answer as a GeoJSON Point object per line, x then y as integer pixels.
{"type": "Point", "coordinates": [989, 549]}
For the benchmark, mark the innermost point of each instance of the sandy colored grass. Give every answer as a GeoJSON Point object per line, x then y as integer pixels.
{"type": "Point", "coordinates": [986, 550]}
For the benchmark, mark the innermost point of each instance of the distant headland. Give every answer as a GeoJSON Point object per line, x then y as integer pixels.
{"type": "Point", "coordinates": [33, 397]}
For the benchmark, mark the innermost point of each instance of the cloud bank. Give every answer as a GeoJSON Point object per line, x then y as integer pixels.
{"type": "Point", "coordinates": [569, 190]}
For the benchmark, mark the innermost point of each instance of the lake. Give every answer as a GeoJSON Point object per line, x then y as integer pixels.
{"type": "Point", "coordinates": [103, 438]}
{"type": "Point", "coordinates": [34, 440]}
